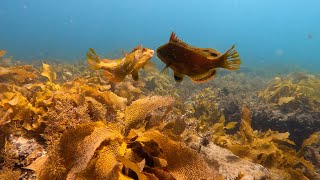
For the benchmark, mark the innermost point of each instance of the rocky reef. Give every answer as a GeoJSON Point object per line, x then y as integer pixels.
{"type": "Point", "coordinates": [64, 121]}
{"type": "Point", "coordinates": [292, 104]}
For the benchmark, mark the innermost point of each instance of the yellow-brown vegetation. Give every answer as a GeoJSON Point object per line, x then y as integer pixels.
{"type": "Point", "coordinates": [296, 91]}
{"type": "Point", "coordinates": [92, 128]}
{"type": "Point", "coordinates": [271, 149]}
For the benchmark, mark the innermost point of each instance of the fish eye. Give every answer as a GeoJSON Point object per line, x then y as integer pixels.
{"type": "Point", "coordinates": [177, 78]}
{"type": "Point", "coordinates": [213, 54]}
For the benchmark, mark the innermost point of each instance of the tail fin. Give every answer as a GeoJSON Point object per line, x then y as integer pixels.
{"type": "Point", "coordinates": [93, 59]}
{"type": "Point", "coordinates": [231, 59]}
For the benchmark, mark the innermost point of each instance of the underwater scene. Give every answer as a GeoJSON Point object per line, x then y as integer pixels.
{"type": "Point", "coordinates": [159, 90]}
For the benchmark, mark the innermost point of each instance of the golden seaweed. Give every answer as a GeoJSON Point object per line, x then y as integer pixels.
{"type": "Point", "coordinates": [270, 149]}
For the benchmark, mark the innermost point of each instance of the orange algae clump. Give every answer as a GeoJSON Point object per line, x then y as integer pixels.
{"type": "Point", "coordinates": [89, 130]}
{"type": "Point", "coordinates": [2, 53]}
{"type": "Point", "coordinates": [139, 109]}
{"type": "Point", "coordinates": [48, 72]}
{"type": "Point", "coordinates": [146, 153]}
{"type": "Point", "coordinates": [270, 149]}
{"type": "Point", "coordinates": [293, 92]}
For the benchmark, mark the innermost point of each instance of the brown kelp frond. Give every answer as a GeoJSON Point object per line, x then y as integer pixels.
{"type": "Point", "coordinates": [218, 131]}
{"type": "Point", "coordinates": [21, 109]}
{"type": "Point", "coordinates": [38, 103]}
{"type": "Point", "coordinates": [296, 91]}
{"type": "Point", "coordinates": [246, 130]}
{"type": "Point", "coordinates": [18, 74]}
{"type": "Point", "coordinates": [203, 106]}
{"type": "Point", "coordinates": [313, 139]}
{"type": "Point", "coordinates": [75, 149]}
{"type": "Point", "coordinates": [130, 90]}
{"type": "Point", "coordinates": [48, 72]}
{"type": "Point", "coordinates": [137, 112]}
{"type": "Point", "coordinates": [180, 167]}
{"type": "Point", "coordinates": [7, 173]}
{"type": "Point", "coordinates": [99, 150]}
{"type": "Point", "coordinates": [271, 149]}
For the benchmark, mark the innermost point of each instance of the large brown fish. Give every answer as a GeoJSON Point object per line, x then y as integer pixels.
{"type": "Point", "coordinates": [198, 63]}
{"type": "Point", "coordinates": [116, 70]}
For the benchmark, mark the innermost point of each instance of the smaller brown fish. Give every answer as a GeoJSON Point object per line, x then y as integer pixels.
{"type": "Point", "coordinates": [198, 63]}
{"type": "Point", "coordinates": [2, 53]}
{"type": "Point", "coordinates": [116, 70]}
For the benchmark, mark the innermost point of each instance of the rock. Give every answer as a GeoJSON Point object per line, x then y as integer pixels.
{"type": "Point", "coordinates": [231, 166]}
{"type": "Point", "coordinates": [24, 149]}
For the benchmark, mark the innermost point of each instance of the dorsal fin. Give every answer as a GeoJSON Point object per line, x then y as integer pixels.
{"type": "Point", "coordinates": [175, 40]}
{"type": "Point", "coordinates": [137, 47]}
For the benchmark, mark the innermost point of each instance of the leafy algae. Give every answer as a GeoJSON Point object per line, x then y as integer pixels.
{"type": "Point", "coordinates": [89, 126]}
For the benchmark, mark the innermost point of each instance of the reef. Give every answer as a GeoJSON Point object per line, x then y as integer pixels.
{"type": "Point", "coordinates": [291, 103]}
{"type": "Point", "coordinates": [64, 121]}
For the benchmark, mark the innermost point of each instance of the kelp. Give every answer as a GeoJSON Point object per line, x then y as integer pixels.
{"type": "Point", "coordinates": [297, 91]}
{"type": "Point", "coordinates": [130, 90]}
{"type": "Point", "coordinates": [204, 108]}
{"type": "Point", "coordinates": [32, 102]}
{"type": "Point", "coordinates": [141, 153]}
{"type": "Point", "coordinates": [137, 112]}
{"type": "Point", "coordinates": [271, 149]}
{"type": "Point", "coordinates": [75, 119]}
{"type": "Point", "coordinates": [92, 128]}
{"type": "Point", "coordinates": [18, 75]}
{"type": "Point", "coordinates": [7, 173]}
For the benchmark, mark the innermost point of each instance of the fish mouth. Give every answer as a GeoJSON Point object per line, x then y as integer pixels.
{"type": "Point", "coordinates": [152, 52]}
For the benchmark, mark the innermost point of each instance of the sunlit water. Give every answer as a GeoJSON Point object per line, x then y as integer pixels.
{"type": "Point", "coordinates": [267, 33]}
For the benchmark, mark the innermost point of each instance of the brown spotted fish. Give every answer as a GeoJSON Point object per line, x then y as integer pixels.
{"type": "Point", "coordinates": [116, 70]}
{"type": "Point", "coordinates": [199, 64]}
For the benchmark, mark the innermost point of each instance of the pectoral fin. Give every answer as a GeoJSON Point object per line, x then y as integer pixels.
{"type": "Point", "coordinates": [108, 74]}
{"type": "Point", "coordinates": [165, 70]}
{"type": "Point", "coordinates": [149, 66]}
{"type": "Point", "coordinates": [200, 78]}
{"type": "Point", "coordinates": [178, 76]}
{"type": "Point", "coordinates": [135, 75]}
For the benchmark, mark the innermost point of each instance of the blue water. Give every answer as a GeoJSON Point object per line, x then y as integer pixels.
{"type": "Point", "coordinates": [266, 31]}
